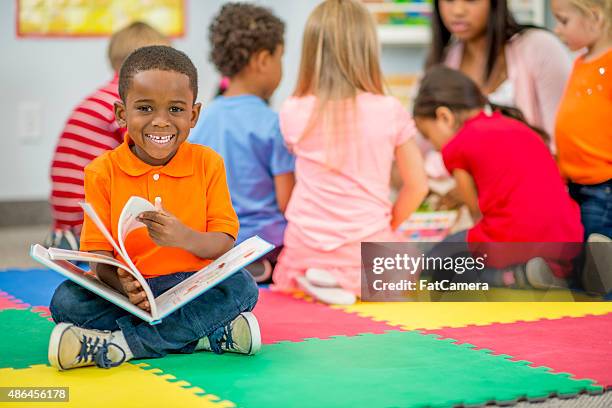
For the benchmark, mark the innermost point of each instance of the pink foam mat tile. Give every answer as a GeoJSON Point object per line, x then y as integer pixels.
{"type": "Point", "coordinates": [10, 302]}
{"type": "Point", "coordinates": [43, 311]}
{"type": "Point", "coordinates": [283, 317]}
{"type": "Point", "coordinates": [581, 346]}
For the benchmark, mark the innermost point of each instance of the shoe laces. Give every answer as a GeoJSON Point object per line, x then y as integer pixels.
{"type": "Point", "coordinates": [224, 336]}
{"type": "Point", "coordinates": [97, 352]}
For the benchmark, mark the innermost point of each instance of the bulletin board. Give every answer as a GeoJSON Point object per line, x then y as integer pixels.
{"type": "Point", "coordinates": [96, 18]}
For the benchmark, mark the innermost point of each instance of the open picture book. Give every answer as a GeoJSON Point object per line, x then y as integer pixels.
{"type": "Point", "coordinates": [169, 301]}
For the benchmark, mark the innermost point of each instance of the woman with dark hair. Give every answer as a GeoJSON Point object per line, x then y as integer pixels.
{"type": "Point", "coordinates": [520, 66]}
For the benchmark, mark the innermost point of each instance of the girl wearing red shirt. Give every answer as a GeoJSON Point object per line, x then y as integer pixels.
{"type": "Point", "coordinates": [507, 178]}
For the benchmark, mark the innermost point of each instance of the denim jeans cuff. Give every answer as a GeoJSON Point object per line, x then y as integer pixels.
{"type": "Point", "coordinates": [249, 304]}
{"type": "Point", "coordinates": [132, 339]}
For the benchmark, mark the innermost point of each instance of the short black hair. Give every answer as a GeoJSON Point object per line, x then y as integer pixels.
{"type": "Point", "coordinates": [239, 31]}
{"type": "Point", "coordinates": [156, 57]}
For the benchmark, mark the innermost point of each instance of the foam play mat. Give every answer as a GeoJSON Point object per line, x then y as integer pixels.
{"type": "Point", "coordinates": [401, 354]}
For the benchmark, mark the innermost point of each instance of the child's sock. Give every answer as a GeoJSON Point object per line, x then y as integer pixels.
{"type": "Point", "coordinates": [119, 339]}
{"type": "Point", "coordinates": [203, 344]}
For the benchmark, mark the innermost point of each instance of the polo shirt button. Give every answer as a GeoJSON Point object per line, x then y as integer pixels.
{"type": "Point", "coordinates": [156, 177]}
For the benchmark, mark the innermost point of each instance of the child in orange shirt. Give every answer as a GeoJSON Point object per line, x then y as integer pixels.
{"type": "Point", "coordinates": [583, 132]}
{"type": "Point", "coordinates": [194, 224]}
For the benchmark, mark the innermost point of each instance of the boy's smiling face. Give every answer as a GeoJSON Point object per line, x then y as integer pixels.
{"type": "Point", "coordinates": [158, 112]}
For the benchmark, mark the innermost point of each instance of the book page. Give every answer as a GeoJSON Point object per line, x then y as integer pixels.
{"type": "Point", "coordinates": [89, 210]}
{"type": "Point", "coordinates": [128, 223]}
{"type": "Point", "coordinates": [89, 281]}
{"type": "Point", "coordinates": [127, 220]}
{"type": "Point", "coordinates": [219, 270]}
{"type": "Point", "coordinates": [58, 254]}
{"type": "Point", "coordinates": [431, 226]}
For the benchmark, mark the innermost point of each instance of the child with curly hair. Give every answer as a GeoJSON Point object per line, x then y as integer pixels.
{"type": "Point", "coordinates": [247, 48]}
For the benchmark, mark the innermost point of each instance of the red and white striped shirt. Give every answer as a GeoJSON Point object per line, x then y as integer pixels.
{"type": "Point", "coordinates": [90, 131]}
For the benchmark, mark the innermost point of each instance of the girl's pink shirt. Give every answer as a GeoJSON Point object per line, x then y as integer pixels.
{"type": "Point", "coordinates": [342, 200]}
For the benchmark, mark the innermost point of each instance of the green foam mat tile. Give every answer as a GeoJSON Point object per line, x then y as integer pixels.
{"type": "Point", "coordinates": [404, 369]}
{"type": "Point", "coordinates": [24, 338]}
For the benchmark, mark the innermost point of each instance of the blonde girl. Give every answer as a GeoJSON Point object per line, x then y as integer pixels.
{"type": "Point", "coordinates": [583, 132]}
{"type": "Point", "coordinates": [345, 134]}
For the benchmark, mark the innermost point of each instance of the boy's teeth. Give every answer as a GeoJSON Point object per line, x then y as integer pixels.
{"type": "Point", "coordinates": [160, 139]}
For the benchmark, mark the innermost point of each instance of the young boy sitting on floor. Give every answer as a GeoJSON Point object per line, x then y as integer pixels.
{"type": "Point", "coordinates": [158, 89]}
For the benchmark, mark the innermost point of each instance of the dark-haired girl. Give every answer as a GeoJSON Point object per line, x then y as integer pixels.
{"type": "Point", "coordinates": [506, 176]}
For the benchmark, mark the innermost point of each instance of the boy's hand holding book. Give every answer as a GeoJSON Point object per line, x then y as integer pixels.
{"type": "Point", "coordinates": [167, 230]}
{"type": "Point", "coordinates": [164, 228]}
{"type": "Point", "coordinates": [133, 290]}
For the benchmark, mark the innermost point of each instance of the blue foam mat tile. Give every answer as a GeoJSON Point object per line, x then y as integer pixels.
{"type": "Point", "coordinates": [33, 286]}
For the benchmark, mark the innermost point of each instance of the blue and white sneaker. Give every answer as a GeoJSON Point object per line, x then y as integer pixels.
{"type": "Point", "coordinates": [241, 336]}
{"type": "Point", "coordinates": [71, 346]}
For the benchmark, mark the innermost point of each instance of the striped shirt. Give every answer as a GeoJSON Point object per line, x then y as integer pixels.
{"type": "Point", "coordinates": [90, 131]}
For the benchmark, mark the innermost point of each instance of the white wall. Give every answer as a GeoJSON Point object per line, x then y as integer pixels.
{"type": "Point", "coordinates": [55, 74]}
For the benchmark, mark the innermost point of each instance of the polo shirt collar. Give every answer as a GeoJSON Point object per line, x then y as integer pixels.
{"type": "Point", "coordinates": [181, 164]}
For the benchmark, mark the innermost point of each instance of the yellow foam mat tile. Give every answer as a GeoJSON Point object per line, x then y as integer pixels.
{"type": "Point", "coordinates": [436, 315]}
{"type": "Point", "coordinates": [126, 385]}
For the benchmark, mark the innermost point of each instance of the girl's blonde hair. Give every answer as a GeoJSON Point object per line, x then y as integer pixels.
{"type": "Point", "coordinates": [340, 58]}
{"type": "Point", "coordinates": [586, 7]}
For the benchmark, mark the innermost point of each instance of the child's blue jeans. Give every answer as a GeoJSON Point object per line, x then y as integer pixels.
{"type": "Point", "coordinates": [595, 207]}
{"type": "Point", "coordinates": [177, 333]}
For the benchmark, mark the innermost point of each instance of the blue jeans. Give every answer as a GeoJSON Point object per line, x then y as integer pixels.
{"type": "Point", "coordinates": [595, 207]}
{"type": "Point", "coordinates": [178, 332]}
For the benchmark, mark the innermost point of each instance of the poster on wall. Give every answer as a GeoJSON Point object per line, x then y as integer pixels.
{"type": "Point", "coordinates": [96, 18]}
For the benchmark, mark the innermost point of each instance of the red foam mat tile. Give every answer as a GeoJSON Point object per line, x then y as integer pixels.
{"type": "Point", "coordinates": [285, 318]}
{"type": "Point", "coordinates": [581, 346]}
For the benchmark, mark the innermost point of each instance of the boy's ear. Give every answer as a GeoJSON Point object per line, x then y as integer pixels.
{"type": "Point", "coordinates": [195, 113]}
{"type": "Point", "coordinates": [120, 115]}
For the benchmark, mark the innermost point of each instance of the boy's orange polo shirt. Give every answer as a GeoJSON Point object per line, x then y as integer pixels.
{"type": "Point", "coordinates": [192, 187]}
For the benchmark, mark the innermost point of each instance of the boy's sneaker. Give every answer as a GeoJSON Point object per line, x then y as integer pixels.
{"type": "Point", "coordinates": [597, 272]}
{"type": "Point", "coordinates": [71, 346]}
{"type": "Point", "coordinates": [261, 270]}
{"type": "Point", "coordinates": [540, 276]}
{"type": "Point", "coordinates": [241, 335]}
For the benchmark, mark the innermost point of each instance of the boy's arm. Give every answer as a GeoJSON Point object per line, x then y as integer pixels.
{"type": "Point", "coordinates": [468, 192]}
{"type": "Point", "coordinates": [414, 189]}
{"type": "Point", "coordinates": [283, 185]}
{"type": "Point", "coordinates": [166, 229]}
{"type": "Point", "coordinates": [281, 165]}
{"type": "Point", "coordinates": [106, 273]}
{"type": "Point", "coordinates": [208, 245]}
